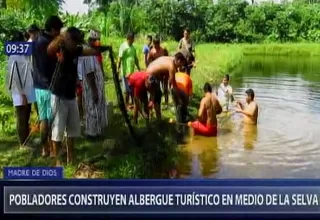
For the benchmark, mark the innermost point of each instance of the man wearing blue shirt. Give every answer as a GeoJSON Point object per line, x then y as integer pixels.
{"type": "Point", "coordinates": [146, 49]}
{"type": "Point", "coordinates": [43, 71]}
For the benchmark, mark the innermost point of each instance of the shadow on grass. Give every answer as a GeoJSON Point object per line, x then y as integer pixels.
{"type": "Point", "coordinates": [116, 154]}
{"type": "Point", "coordinates": [153, 157]}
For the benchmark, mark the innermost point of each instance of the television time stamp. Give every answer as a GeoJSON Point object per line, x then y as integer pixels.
{"type": "Point", "coordinates": [18, 48]}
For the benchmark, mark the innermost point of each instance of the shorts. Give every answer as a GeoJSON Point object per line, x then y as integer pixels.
{"type": "Point", "coordinates": [203, 129]}
{"type": "Point", "coordinates": [143, 96]}
{"type": "Point", "coordinates": [43, 98]}
{"type": "Point", "coordinates": [66, 118]}
{"type": "Point", "coordinates": [179, 93]}
{"type": "Point", "coordinates": [157, 93]}
{"type": "Point", "coordinates": [165, 83]}
{"type": "Point", "coordinates": [181, 107]}
{"type": "Point", "coordinates": [125, 84]}
{"type": "Point", "coordinates": [17, 98]}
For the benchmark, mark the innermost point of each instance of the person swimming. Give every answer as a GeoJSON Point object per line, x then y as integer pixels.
{"type": "Point", "coordinates": [206, 124]}
{"type": "Point", "coordinates": [250, 111]}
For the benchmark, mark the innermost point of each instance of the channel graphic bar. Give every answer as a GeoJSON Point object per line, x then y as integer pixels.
{"type": "Point", "coordinates": [161, 200]}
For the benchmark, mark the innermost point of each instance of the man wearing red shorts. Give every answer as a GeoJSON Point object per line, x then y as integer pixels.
{"type": "Point", "coordinates": [138, 84]}
{"type": "Point", "coordinates": [206, 125]}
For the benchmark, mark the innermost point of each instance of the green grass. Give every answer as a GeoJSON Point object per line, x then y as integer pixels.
{"type": "Point", "coordinates": [288, 49]}
{"type": "Point", "coordinates": [158, 152]}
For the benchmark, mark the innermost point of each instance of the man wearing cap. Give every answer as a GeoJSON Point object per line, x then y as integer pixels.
{"type": "Point", "coordinates": [91, 75]}
{"type": "Point", "coordinates": [165, 66]}
{"type": "Point", "coordinates": [33, 32]}
{"type": "Point", "coordinates": [68, 47]}
{"type": "Point", "coordinates": [94, 41]}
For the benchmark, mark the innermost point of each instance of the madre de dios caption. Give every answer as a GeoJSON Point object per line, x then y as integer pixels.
{"type": "Point", "coordinates": [32, 172]}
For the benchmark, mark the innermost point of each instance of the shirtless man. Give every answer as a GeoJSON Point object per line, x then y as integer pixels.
{"type": "Point", "coordinates": [206, 125]}
{"type": "Point", "coordinates": [156, 52]}
{"type": "Point", "coordinates": [250, 111]}
{"type": "Point", "coordinates": [164, 66]}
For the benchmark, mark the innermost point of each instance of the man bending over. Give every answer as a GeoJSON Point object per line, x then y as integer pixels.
{"type": "Point", "coordinates": [138, 83]}
{"type": "Point", "coordinates": [164, 66]}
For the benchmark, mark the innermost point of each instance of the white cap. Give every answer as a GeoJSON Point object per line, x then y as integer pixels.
{"type": "Point", "coordinates": [94, 34]}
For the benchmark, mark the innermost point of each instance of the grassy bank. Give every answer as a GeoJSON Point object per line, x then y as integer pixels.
{"type": "Point", "coordinates": [288, 49]}
{"type": "Point", "coordinates": [117, 155]}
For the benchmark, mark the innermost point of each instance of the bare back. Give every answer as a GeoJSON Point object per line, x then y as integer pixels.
{"type": "Point", "coordinates": [208, 109]}
{"type": "Point", "coordinates": [161, 67]}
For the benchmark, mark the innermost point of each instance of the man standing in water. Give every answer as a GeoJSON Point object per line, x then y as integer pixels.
{"type": "Point", "coordinates": [206, 125]}
{"type": "Point", "coordinates": [165, 66]}
{"type": "Point", "coordinates": [225, 94]}
{"type": "Point", "coordinates": [250, 111]}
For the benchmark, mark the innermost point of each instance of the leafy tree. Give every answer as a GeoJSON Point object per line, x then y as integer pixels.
{"type": "Point", "coordinates": [3, 3]}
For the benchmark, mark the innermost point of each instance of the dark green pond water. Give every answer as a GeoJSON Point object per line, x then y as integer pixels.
{"type": "Point", "coordinates": [286, 141]}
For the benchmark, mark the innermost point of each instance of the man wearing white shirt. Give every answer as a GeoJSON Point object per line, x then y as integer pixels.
{"type": "Point", "coordinates": [225, 93]}
{"type": "Point", "coordinates": [20, 84]}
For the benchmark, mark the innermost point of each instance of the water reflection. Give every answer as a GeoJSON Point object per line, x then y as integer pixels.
{"type": "Point", "coordinates": [284, 144]}
{"type": "Point", "coordinates": [250, 134]}
{"type": "Point", "coordinates": [201, 154]}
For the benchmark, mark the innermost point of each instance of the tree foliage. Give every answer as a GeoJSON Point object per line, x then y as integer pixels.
{"type": "Point", "coordinates": [226, 21]}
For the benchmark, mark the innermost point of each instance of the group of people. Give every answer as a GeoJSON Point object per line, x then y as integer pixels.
{"type": "Point", "coordinates": [174, 72]}
{"type": "Point", "coordinates": [62, 66]}
{"type": "Point", "coordinates": [64, 80]}
{"type": "Point", "coordinates": [161, 72]}
{"type": "Point", "coordinates": [216, 101]}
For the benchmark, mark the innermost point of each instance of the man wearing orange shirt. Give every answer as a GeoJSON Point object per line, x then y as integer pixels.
{"type": "Point", "coordinates": [184, 91]}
